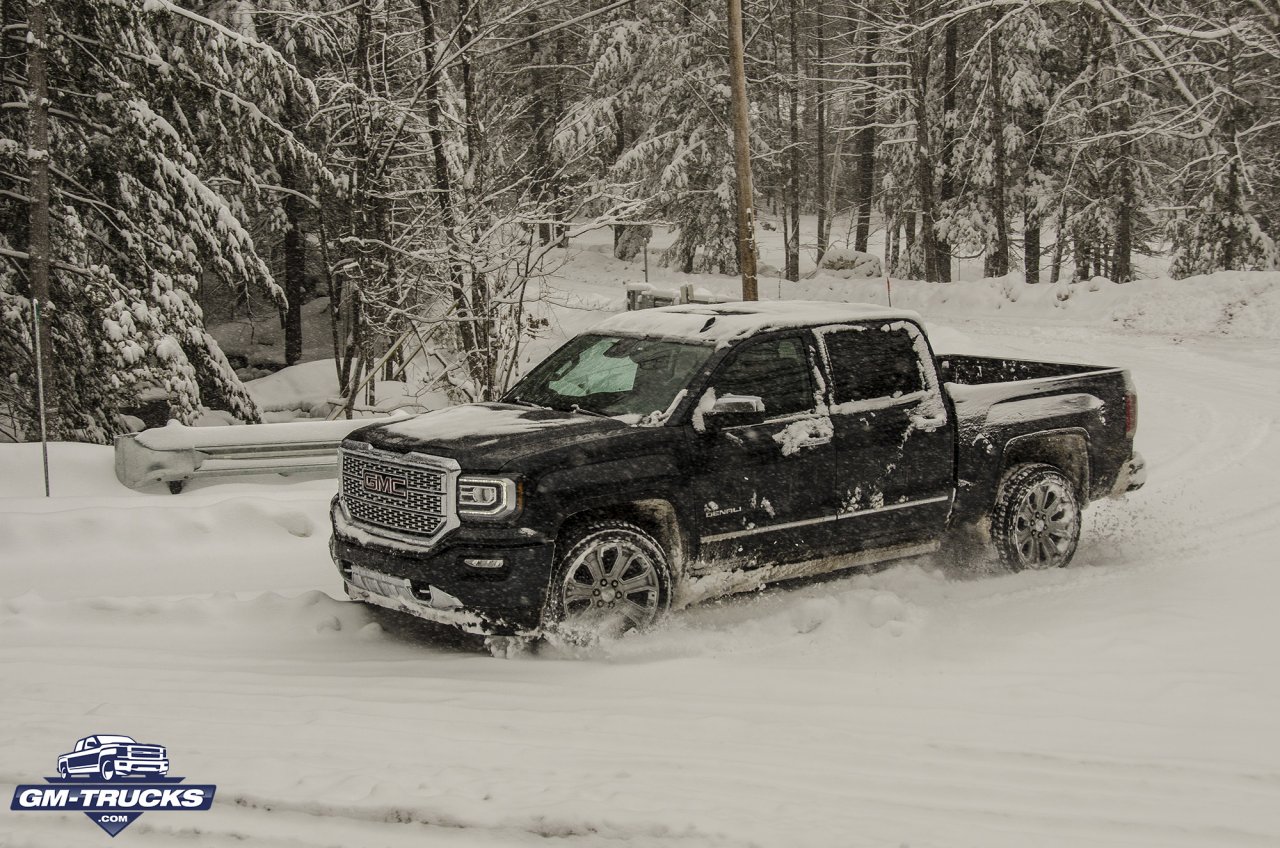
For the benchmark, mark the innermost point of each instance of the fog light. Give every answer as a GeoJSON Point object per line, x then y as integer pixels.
{"type": "Point", "coordinates": [484, 563]}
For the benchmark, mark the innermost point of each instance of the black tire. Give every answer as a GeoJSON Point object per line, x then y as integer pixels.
{"type": "Point", "coordinates": [588, 594]}
{"type": "Point", "coordinates": [1035, 522]}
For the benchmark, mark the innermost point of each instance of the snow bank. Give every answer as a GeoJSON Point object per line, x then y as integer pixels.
{"type": "Point", "coordinates": [1242, 304]}
{"type": "Point", "coordinates": [850, 264]}
{"type": "Point", "coordinates": [300, 387]}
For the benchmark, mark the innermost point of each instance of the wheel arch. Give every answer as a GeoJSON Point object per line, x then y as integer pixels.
{"type": "Point", "coordinates": [657, 516]}
{"type": "Point", "coordinates": [1066, 449]}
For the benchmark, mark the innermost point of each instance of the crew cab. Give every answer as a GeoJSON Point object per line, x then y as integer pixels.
{"type": "Point", "coordinates": [671, 455]}
{"type": "Point", "coordinates": [109, 757]}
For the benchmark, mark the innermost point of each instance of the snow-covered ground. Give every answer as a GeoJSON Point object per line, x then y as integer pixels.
{"type": "Point", "coordinates": [1132, 699]}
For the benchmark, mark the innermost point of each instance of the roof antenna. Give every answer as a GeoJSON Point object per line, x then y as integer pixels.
{"type": "Point", "coordinates": [707, 326]}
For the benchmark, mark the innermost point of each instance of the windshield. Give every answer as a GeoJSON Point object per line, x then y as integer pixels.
{"type": "Point", "coordinates": [613, 375]}
{"type": "Point", "coordinates": [113, 740]}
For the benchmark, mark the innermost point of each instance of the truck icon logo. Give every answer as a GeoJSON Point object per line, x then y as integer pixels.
{"type": "Point", "coordinates": [110, 757]}
{"type": "Point", "coordinates": [385, 484]}
{"type": "Point", "coordinates": [113, 779]}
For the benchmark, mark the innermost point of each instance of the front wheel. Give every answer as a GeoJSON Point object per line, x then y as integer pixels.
{"type": "Point", "coordinates": [1036, 519]}
{"type": "Point", "coordinates": [108, 770]}
{"type": "Point", "coordinates": [612, 577]}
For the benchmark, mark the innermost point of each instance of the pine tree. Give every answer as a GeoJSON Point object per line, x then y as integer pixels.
{"type": "Point", "coordinates": [155, 112]}
{"type": "Point", "coordinates": [658, 71]}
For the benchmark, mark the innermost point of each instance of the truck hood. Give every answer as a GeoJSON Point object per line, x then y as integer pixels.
{"type": "Point", "coordinates": [485, 437]}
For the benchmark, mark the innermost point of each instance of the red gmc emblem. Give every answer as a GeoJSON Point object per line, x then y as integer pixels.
{"type": "Point", "coordinates": [384, 484]}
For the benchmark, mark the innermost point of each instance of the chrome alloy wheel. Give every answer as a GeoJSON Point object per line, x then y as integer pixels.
{"type": "Point", "coordinates": [613, 583]}
{"type": "Point", "coordinates": [1046, 523]}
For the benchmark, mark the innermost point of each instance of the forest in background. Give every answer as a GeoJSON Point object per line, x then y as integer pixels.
{"type": "Point", "coordinates": [423, 162]}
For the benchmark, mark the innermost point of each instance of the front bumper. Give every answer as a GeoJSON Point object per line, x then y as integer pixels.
{"type": "Point", "coordinates": [160, 767]}
{"type": "Point", "coordinates": [1133, 476]}
{"type": "Point", "coordinates": [436, 583]}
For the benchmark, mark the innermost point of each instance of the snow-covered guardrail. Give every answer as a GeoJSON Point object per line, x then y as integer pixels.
{"type": "Point", "coordinates": [176, 453]}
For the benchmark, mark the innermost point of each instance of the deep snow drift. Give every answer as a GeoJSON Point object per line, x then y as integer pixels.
{"type": "Point", "coordinates": [1130, 699]}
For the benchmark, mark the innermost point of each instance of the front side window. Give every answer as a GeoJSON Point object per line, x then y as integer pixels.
{"type": "Point", "coordinates": [873, 363]}
{"type": "Point", "coordinates": [775, 370]}
{"type": "Point", "coordinates": [613, 375]}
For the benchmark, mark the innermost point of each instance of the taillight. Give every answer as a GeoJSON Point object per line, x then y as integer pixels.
{"type": "Point", "coordinates": [1130, 414]}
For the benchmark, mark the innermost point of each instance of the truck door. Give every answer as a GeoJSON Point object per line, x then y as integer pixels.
{"type": "Point", "coordinates": [894, 442]}
{"type": "Point", "coordinates": [765, 490]}
{"type": "Point", "coordinates": [86, 754]}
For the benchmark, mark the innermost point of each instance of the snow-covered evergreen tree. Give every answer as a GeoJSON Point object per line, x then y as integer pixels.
{"type": "Point", "coordinates": [658, 112]}
{"type": "Point", "coordinates": [163, 123]}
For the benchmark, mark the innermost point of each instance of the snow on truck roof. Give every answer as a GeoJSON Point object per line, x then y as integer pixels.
{"type": "Point", "coordinates": [725, 323]}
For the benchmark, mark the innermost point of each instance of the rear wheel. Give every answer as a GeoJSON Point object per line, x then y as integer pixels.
{"type": "Point", "coordinates": [612, 577]}
{"type": "Point", "coordinates": [1036, 519]}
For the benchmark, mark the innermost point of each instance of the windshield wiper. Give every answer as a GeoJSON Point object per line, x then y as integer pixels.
{"type": "Point", "coordinates": [522, 402]}
{"type": "Point", "coordinates": [583, 411]}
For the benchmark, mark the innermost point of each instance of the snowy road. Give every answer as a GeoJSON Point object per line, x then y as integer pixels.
{"type": "Point", "coordinates": [1132, 699]}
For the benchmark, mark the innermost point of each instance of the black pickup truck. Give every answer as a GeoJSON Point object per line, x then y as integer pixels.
{"type": "Point", "coordinates": [672, 455]}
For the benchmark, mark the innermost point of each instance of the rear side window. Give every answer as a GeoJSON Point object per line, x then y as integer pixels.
{"type": "Point", "coordinates": [873, 363]}
{"type": "Point", "coordinates": [775, 370]}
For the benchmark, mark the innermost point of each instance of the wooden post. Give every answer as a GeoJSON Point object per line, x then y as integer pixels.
{"type": "Point", "coordinates": [742, 153]}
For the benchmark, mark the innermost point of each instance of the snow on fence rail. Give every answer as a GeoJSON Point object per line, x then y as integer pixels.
{"type": "Point", "coordinates": [645, 296]}
{"type": "Point", "coordinates": [176, 453]}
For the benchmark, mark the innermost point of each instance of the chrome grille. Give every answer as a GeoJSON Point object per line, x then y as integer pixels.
{"type": "Point", "coordinates": [413, 497]}
{"type": "Point", "coordinates": [139, 752]}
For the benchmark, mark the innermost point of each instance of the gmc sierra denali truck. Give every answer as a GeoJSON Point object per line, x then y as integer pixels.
{"type": "Point", "coordinates": [672, 455]}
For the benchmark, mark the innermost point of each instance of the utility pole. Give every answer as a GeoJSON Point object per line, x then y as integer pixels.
{"type": "Point", "coordinates": [742, 153]}
{"type": "Point", "coordinates": [38, 247]}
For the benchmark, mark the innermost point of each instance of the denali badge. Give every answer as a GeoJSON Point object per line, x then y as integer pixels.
{"type": "Point", "coordinates": [384, 484]}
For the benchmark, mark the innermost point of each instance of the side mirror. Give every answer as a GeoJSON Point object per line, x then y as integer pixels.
{"type": "Point", "coordinates": [733, 411]}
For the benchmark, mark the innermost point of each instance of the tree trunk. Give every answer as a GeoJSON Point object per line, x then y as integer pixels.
{"type": "Point", "coordinates": [742, 152]}
{"type": "Point", "coordinates": [998, 250]}
{"type": "Point", "coordinates": [866, 147]}
{"type": "Point", "coordinates": [1082, 257]}
{"type": "Point", "coordinates": [484, 363]}
{"type": "Point", "coordinates": [911, 269]}
{"type": "Point", "coordinates": [947, 183]}
{"type": "Point", "coordinates": [1122, 252]}
{"type": "Point", "coordinates": [39, 246]}
{"type": "Point", "coordinates": [443, 182]}
{"type": "Point", "coordinates": [792, 229]}
{"type": "Point", "coordinates": [295, 276]}
{"type": "Point", "coordinates": [1059, 242]}
{"type": "Point", "coordinates": [920, 62]}
{"type": "Point", "coordinates": [820, 152]}
{"type": "Point", "coordinates": [895, 250]}
{"type": "Point", "coordinates": [537, 123]}
{"type": "Point", "coordinates": [924, 172]}
{"type": "Point", "coordinates": [1031, 249]}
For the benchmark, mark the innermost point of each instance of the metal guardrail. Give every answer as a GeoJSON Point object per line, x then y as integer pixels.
{"type": "Point", "coordinates": [175, 453]}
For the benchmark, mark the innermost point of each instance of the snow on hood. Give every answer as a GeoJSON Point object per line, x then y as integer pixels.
{"type": "Point", "coordinates": [480, 420]}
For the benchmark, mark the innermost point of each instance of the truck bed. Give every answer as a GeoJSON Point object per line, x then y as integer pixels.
{"type": "Point", "coordinates": [1001, 403]}
{"type": "Point", "coordinates": [982, 370]}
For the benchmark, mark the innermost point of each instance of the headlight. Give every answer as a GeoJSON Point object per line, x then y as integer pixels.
{"type": "Point", "coordinates": [487, 497]}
